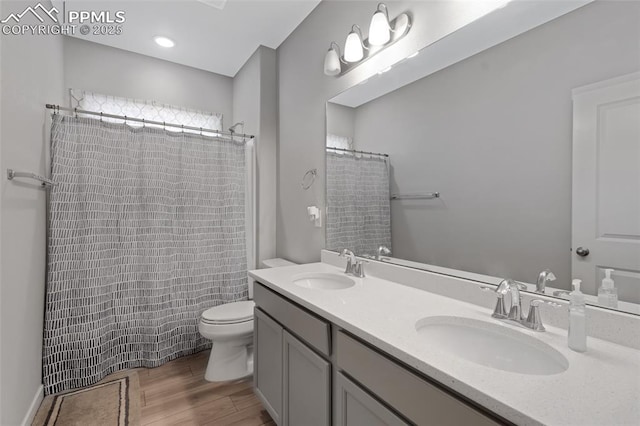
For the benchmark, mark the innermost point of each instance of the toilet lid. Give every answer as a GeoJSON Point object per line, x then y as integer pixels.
{"type": "Point", "coordinates": [229, 312]}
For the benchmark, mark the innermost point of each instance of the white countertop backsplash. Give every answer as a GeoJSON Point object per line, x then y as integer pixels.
{"type": "Point", "coordinates": [600, 387]}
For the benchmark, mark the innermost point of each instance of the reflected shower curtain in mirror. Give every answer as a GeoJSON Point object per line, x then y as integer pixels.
{"type": "Point", "coordinates": [358, 203]}
{"type": "Point", "coordinates": [146, 231]}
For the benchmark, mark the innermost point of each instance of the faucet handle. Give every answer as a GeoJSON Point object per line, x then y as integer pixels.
{"type": "Point", "coordinates": [499, 311]}
{"type": "Point", "coordinates": [534, 320]}
{"type": "Point", "coordinates": [358, 268]}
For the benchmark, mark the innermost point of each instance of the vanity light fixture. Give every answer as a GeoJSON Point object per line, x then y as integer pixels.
{"type": "Point", "coordinates": [164, 41]}
{"type": "Point", "coordinates": [382, 34]}
{"type": "Point", "coordinates": [332, 64]}
{"type": "Point", "coordinates": [379, 29]}
{"type": "Point", "coordinates": [354, 47]}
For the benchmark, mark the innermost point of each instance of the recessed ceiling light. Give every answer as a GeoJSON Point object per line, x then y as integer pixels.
{"type": "Point", "coordinates": [413, 55]}
{"type": "Point", "coordinates": [384, 70]}
{"type": "Point", "coordinates": [164, 41]}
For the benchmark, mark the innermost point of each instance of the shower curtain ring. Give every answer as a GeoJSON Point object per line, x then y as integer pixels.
{"type": "Point", "coordinates": [182, 125]}
{"type": "Point", "coordinates": [143, 123]}
{"type": "Point", "coordinates": [101, 116]}
{"type": "Point", "coordinates": [200, 131]}
{"type": "Point", "coordinates": [164, 125]}
{"type": "Point", "coordinates": [75, 110]}
{"type": "Point", "coordinates": [125, 119]}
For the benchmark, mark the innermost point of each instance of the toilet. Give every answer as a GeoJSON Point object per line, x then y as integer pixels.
{"type": "Point", "coordinates": [230, 329]}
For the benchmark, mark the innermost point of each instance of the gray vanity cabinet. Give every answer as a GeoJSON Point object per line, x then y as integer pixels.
{"type": "Point", "coordinates": [309, 372]}
{"type": "Point", "coordinates": [355, 407]}
{"type": "Point", "coordinates": [306, 387]}
{"type": "Point", "coordinates": [267, 380]}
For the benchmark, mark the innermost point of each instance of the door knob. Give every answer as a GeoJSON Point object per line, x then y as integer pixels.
{"type": "Point", "coordinates": [582, 252]}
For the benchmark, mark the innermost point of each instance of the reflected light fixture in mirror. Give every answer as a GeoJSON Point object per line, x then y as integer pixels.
{"type": "Point", "coordinates": [332, 60]}
{"type": "Point", "coordinates": [353, 47]}
{"type": "Point", "coordinates": [379, 29]}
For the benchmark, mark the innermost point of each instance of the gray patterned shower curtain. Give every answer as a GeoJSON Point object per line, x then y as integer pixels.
{"type": "Point", "coordinates": [146, 230]}
{"type": "Point", "coordinates": [358, 202]}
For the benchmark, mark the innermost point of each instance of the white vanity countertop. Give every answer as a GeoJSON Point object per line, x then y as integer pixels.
{"type": "Point", "coordinates": [600, 387]}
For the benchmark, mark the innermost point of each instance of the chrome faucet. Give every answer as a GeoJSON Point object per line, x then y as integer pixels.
{"type": "Point", "coordinates": [512, 289]}
{"type": "Point", "coordinates": [383, 251]}
{"type": "Point", "coordinates": [543, 278]}
{"type": "Point", "coordinates": [354, 267]}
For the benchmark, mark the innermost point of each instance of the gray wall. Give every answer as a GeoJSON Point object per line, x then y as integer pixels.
{"type": "Point", "coordinates": [31, 73]}
{"type": "Point", "coordinates": [493, 134]}
{"type": "Point", "coordinates": [341, 120]}
{"type": "Point", "coordinates": [304, 89]}
{"type": "Point", "coordinates": [255, 103]}
{"type": "Point", "coordinates": [103, 69]}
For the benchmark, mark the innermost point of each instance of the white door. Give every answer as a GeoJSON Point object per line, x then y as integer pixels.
{"type": "Point", "coordinates": [606, 185]}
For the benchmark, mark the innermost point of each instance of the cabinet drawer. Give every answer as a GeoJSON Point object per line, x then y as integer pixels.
{"type": "Point", "coordinates": [415, 398]}
{"type": "Point", "coordinates": [313, 330]}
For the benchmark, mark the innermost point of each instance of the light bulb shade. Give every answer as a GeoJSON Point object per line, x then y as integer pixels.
{"type": "Point", "coordinates": [353, 51]}
{"type": "Point", "coordinates": [332, 62]}
{"type": "Point", "coordinates": [379, 30]}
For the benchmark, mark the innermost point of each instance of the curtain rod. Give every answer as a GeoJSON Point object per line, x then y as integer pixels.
{"type": "Point", "coordinates": [355, 151]}
{"type": "Point", "coordinates": [58, 108]}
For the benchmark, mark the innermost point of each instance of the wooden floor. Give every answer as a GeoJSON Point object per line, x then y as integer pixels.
{"type": "Point", "coordinates": [177, 394]}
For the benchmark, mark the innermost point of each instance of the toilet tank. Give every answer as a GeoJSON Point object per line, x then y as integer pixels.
{"type": "Point", "coordinates": [269, 263]}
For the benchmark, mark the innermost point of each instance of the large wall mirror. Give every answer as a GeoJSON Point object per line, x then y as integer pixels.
{"type": "Point", "coordinates": [520, 159]}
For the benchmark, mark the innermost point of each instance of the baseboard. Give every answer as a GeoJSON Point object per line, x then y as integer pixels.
{"type": "Point", "coordinates": [33, 408]}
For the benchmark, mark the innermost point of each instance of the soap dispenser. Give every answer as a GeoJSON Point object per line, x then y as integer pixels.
{"type": "Point", "coordinates": [577, 319]}
{"type": "Point", "coordinates": [607, 293]}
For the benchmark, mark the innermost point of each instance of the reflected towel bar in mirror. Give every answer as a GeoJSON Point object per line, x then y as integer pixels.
{"type": "Point", "coordinates": [427, 196]}
{"type": "Point", "coordinates": [11, 174]}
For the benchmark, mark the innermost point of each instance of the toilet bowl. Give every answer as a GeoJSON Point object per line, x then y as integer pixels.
{"type": "Point", "coordinates": [230, 329]}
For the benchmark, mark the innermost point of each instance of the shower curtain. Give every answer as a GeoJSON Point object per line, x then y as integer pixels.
{"type": "Point", "coordinates": [358, 202]}
{"type": "Point", "coordinates": [146, 231]}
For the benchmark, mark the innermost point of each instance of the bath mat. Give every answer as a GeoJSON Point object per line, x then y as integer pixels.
{"type": "Point", "coordinates": [113, 401]}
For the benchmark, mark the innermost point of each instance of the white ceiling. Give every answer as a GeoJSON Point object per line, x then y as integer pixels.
{"type": "Point", "coordinates": [206, 37]}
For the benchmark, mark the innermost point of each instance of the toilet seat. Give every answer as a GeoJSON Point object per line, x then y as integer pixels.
{"type": "Point", "coordinates": [229, 313]}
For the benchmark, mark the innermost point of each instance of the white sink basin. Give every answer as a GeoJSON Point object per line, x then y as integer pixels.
{"type": "Point", "coordinates": [324, 281]}
{"type": "Point", "coordinates": [491, 345]}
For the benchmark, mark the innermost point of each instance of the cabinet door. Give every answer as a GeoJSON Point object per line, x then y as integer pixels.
{"type": "Point", "coordinates": [307, 385]}
{"type": "Point", "coordinates": [267, 375]}
{"type": "Point", "coordinates": [355, 407]}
